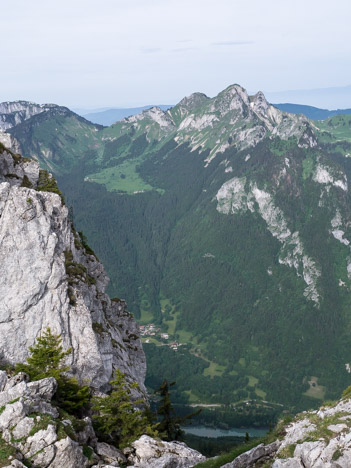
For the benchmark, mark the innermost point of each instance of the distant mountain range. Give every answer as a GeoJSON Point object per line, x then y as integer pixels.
{"type": "Point", "coordinates": [108, 117]}
{"type": "Point", "coordinates": [338, 97]}
{"type": "Point", "coordinates": [313, 113]}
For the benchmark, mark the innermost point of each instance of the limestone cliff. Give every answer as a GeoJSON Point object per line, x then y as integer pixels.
{"type": "Point", "coordinates": [50, 278]}
{"type": "Point", "coordinates": [14, 113]}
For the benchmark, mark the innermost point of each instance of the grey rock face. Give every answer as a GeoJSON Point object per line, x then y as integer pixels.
{"type": "Point", "coordinates": [69, 454]}
{"type": "Point", "coordinates": [39, 291]}
{"type": "Point", "coordinates": [254, 455]}
{"type": "Point", "coordinates": [14, 113]}
{"type": "Point", "coordinates": [87, 435]}
{"type": "Point", "coordinates": [306, 444]}
{"type": "Point", "coordinates": [151, 453]}
{"type": "Point", "coordinates": [9, 142]}
{"type": "Point", "coordinates": [109, 454]}
{"type": "Point", "coordinates": [3, 380]}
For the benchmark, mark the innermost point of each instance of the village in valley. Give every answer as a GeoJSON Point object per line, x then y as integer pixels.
{"type": "Point", "coordinates": [151, 333]}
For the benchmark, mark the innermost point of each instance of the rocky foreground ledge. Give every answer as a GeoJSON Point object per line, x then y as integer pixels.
{"type": "Point", "coordinates": [313, 439]}
{"type": "Point", "coordinates": [33, 433]}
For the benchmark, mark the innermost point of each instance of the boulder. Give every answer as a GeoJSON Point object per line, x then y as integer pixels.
{"type": "Point", "coordinates": [110, 454]}
{"type": "Point", "coordinates": [152, 453]}
{"type": "Point", "coordinates": [44, 388]}
{"type": "Point", "coordinates": [254, 455]}
{"type": "Point", "coordinates": [69, 454]}
{"type": "Point", "coordinates": [287, 463]}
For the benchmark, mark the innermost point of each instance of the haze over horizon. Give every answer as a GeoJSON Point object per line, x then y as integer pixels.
{"type": "Point", "coordinates": [129, 54]}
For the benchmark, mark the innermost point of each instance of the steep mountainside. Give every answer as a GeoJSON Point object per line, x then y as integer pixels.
{"type": "Point", "coordinates": [53, 135]}
{"type": "Point", "coordinates": [51, 278]}
{"type": "Point", "coordinates": [226, 222]}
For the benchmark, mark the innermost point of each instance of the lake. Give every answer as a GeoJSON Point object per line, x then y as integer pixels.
{"type": "Point", "coordinates": [204, 431]}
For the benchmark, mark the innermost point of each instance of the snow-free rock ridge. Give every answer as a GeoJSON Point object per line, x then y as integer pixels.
{"type": "Point", "coordinates": [14, 113]}
{"type": "Point", "coordinates": [230, 119]}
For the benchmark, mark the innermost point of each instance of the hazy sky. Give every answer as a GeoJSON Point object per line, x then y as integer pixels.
{"type": "Point", "coordinates": [85, 53]}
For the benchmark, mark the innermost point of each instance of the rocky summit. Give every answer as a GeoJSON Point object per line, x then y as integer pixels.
{"type": "Point", "coordinates": [49, 277]}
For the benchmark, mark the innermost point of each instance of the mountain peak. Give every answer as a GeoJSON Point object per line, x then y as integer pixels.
{"type": "Point", "coordinates": [259, 103]}
{"type": "Point", "coordinates": [13, 113]}
{"type": "Point", "coordinates": [193, 101]}
{"type": "Point", "coordinates": [234, 97]}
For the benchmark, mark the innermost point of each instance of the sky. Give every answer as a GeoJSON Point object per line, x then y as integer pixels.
{"type": "Point", "coordinates": [125, 53]}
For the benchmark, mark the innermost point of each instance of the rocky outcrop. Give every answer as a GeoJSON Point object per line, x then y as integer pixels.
{"type": "Point", "coordinates": [318, 439]}
{"type": "Point", "coordinates": [32, 430]}
{"type": "Point", "coordinates": [9, 142]}
{"type": "Point", "coordinates": [49, 277]}
{"type": "Point", "coordinates": [151, 453]}
{"type": "Point", "coordinates": [260, 454]}
{"type": "Point", "coordinates": [314, 439]}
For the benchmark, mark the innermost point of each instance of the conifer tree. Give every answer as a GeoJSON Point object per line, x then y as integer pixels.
{"type": "Point", "coordinates": [117, 415]}
{"type": "Point", "coordinates": [169, 426]}
{"type": "Point", "coordinates": [46, 356]}
{"type": "Point", "coordinates": [46, 361]}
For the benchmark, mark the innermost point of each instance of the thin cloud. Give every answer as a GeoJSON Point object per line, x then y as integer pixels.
{"type": "Point", "coordinates": [183, 49]}
{"type": "Point", "coordinates": [232, 43]}
{"type": "Point", "coordinates": [151, 50]}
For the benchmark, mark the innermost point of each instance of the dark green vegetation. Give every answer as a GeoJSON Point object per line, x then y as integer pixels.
{"type": "Point", "coordinates": [212, 446]}
{"type": "Point", "coordinates": [219, 284]}
{"type": "Point", "coordinates": [6, 451]}
{"type": "Point", "coordinates": [169, 421]}
{"type": "Point", "coordinates": [116, 419]}
{"type": "Point", "coordinates": [46, 361]}
{"type": "Point", "coordinates": [115, 416]}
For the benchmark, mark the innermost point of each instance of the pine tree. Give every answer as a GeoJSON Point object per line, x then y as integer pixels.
{"type": "Point", "coordinates": [117, 415]}
{"type": "Point", "coordinates": [46, 361]}
{"type": "Point", "coordinates": [169, 426]}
